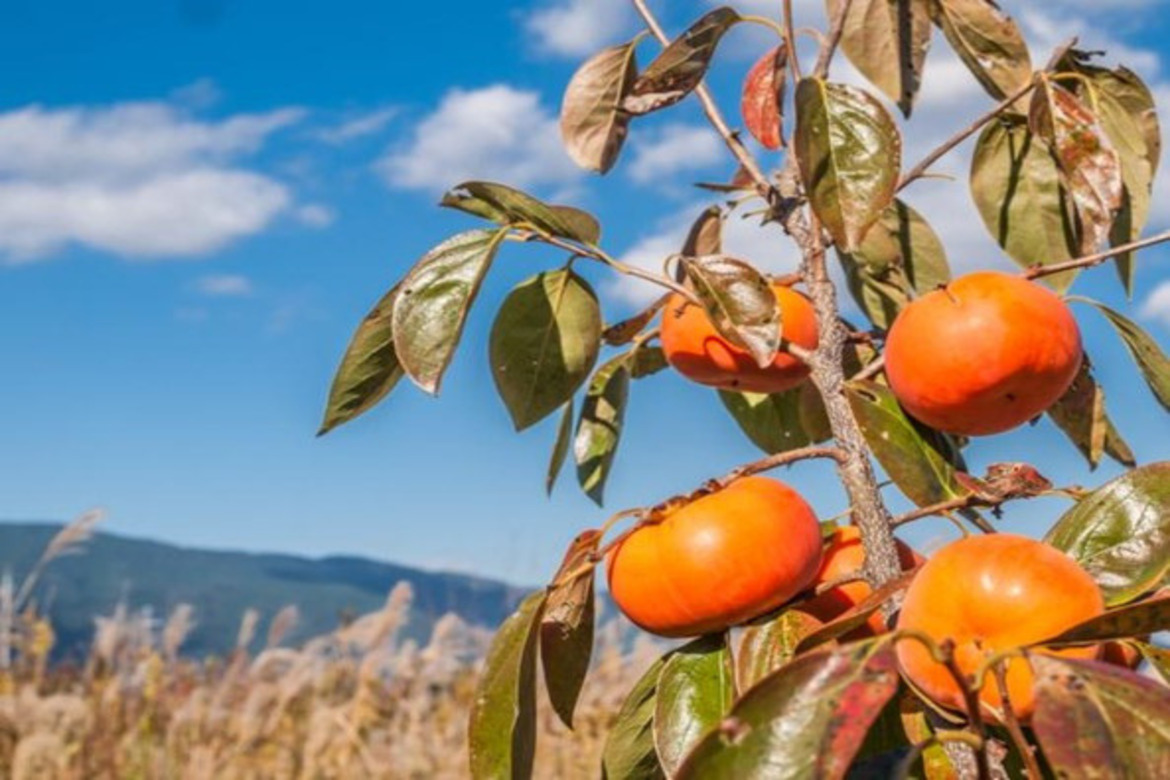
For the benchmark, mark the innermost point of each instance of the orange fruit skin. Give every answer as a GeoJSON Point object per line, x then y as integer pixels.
{"type": "Point", "coordinates": [1120, 654]}
{"type": "Point", "coordinates": [844, 555]}
{"type": "Point", "coordinates": [991, 593]}
{"type": "Point", "coordinates": [717, 561]}
{"type": "Point", "coordinates": [985, 355]}
{"type": "Point", "coordinates": [696, 350]}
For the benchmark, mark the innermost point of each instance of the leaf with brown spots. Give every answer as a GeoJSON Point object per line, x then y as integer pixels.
{"type": "Point", "coordinates": [1097, 720]}
{"type": "Point", "coordinates": [814, 713]}
{"type": "Point", "coordinates": [1089, 165]}
{"type": "Point", "coordinates": [1133, 620]}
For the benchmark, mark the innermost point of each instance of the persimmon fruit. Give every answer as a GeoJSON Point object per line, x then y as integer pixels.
{"type": "Point", "coordinates": [985, 354]}
{"type": "Point", "coordinates": [696, 350]}
{"type": "Point", "coordinates": [987, 594]}
{"type": "Point", "coordinates": [844, 555]}
{"type": "Point", "coordinates": [717, 561]}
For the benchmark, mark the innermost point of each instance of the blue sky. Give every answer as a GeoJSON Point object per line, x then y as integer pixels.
{"type": "Point", "coordinates": [200, 199]}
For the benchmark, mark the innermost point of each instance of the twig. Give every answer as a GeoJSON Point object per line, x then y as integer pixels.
{"type": "Point", "coordinates": [1037, 271]}
{"type": "Point", "coordinates": [835, 32]}
{"type": "Point", "coordinates": [837, 582]}
{"type": "Point", "coordinates": [920, 169]}
{"type": "Point", "coordinates": [971, 704]}
{"type": "Point", "coordinates": [790, 35]}
{"type": "Point", "coordinates": [714, 116]}
{"type": "Point", "coordinates": [872, 369]}
{"type": "Point", "coordinates": [941, 151]}
{"type": "Point", "coordinates": [778, 460]}
{"type": "Point", "coordinates": [1013, 723]}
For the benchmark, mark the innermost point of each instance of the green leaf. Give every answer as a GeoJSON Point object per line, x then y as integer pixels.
{"type": "Point", "coordinates": [680, 67]}
{"type": "Point", "coordinates": [593, 123]}
{"type": "Point", "coordinates": [509, 206]}
{"type": "Point", "coordinates": [988, 42]}
{"type": "Point", "coordinates": [566, 630]}
{"type": "Point", "coordinates": [814, 418]}
{"type": "Point", "coordinates": [879, 293]}
{"type": "Point", "coordinates": [431, 307]}
{"type": "Point", "coordinates": [1017, 189]}
{"type": "Point", "coordinates": [1150, 358]}
{"type": "Point", "coordinates": [560, 449]}
{"type": "Point", "coordinates": [850, 153]}
{"type": "Point", "coordinates": [695, 690]}
{"type": "Point", "coordinates": [887, 41]}
{"type": "Point", "coordinates": [917, 467]}
{"type": "Point", "coordinates": [544, 343]}
{"type": "Point", "coordinates": [1097, 720]}
{"type": "Point", "coordinates": [1080, 413]}
{"type": "Point", "coordinates": [599, 429]}
{"type": "Point", "coordinates": [369, 369]}
{"type": "Point", "coordinates": [502, 732]}
{"type": "Point", "coordinates": [629, 746]}
{"type": "Point", "coordinates": [1120, 533]}
{"type": "Point", "coordinates": [807, 720]}
{"type": "Point", "coordinates": [647, 361]}
{"type": "Point", "coordinates": [739, 301]}
{"type": "Point", "coordinates": [1139, 619]}
{"type": "Point", "coordinates": [772, 422]}
{"type": "Point", "coordinates": [1089, 166]}
{"type": "Point", "coordinates": [766, 646]}
{"type": "Point", "coordinates": [934, 761]}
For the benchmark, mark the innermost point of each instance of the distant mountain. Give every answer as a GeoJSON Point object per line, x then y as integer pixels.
{"type": "Point", "coordinates": [222, 585]}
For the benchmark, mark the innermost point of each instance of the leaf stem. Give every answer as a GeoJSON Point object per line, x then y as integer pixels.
{"type": "Point", "coordinates": [790, 38]}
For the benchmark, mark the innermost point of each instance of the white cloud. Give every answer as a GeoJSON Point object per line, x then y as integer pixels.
{"type": "Point", "coordinates": [143, 180]}
{"type": "Point", "coordinates": [358, 126]}
{"type": "Point", "coordinates": [673, 149]}
{"type": "Point", "coordinates": [224, 285]}
{"type": "Point", "coordinates": [578, 28]}
{"type": "Point", "coordinates": [179, 214]}
{"type": "Point", "coordinates": [498, 132]}
{"type": "Point", "coordinates": [315, 215]}
{"type": "Point", "coordinates": [766, 247]}
{"type": "Point", "coordinates": [1157, 305]}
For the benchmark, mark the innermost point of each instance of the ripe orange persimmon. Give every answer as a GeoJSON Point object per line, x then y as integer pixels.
{"type": "Point", "coordinates": [1121, 654]}
{"type": "Point", "coordinates": [696, 350]}
{"type": "Point", "coordinates": [844, 556]}
{"type": "Point", "coordinates": [717, 561]}
{"type": "Point", "coordinates": [983, 355]}
{"type": "Point", "coordinates": [992, 593]}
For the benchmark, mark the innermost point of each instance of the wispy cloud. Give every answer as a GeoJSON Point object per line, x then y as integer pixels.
{"type": "Point", "coordinates": [1157, 305]}
{"type": "Point", "coordinates": [358, 126]}
{"type": "Point", "coordinates": [497, 132]}
{"type": "Point", "coordinates": [578, 28]}
{"type": "Point", "coordinates": [145, 180]}
{"type": "Point", "coordinates": [224, 286]}
{"type": "Point", "coordinates": [673, 149]}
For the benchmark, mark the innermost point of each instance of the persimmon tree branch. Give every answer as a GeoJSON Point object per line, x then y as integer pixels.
{"type": "Point", "coordinates": [714, 115]}
{"type": "Point", "coordinates": [781, 459]}
{"type": "Point", "coordinates": [1038, 271]}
